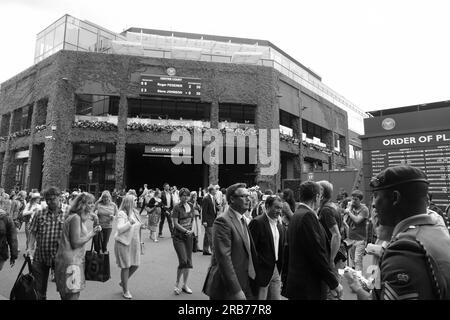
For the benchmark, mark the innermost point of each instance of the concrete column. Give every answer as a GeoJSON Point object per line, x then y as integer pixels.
{"type": "Point", "coordinates": [121, 142]}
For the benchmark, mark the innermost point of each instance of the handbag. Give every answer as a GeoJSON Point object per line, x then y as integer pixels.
{"type": "Point", "coordinates": [97, 267]}
{"type": "Point", "coordinates": [25, 286]}
{"type": "Point", "coordinates": [195, 244]}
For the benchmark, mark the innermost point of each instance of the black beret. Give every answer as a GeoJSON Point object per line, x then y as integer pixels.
{"type": "Point", "coordinates": [397, 175]}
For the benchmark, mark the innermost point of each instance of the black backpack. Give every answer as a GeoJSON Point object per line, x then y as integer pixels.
{"type": "Point", "coordinates": [25, 286]}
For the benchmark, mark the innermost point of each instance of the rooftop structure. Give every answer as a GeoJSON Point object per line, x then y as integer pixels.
{"type": "Point", "coordinates": [69, 33]}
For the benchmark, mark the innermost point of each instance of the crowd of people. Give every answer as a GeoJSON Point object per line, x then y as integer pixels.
{"type": "Point", "coordinates": [263, 245]}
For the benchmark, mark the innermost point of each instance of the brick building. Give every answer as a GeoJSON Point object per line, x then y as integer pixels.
{"type": "Point", "coordinates": [79, 117]}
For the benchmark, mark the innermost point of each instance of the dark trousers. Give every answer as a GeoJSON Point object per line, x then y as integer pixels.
{"type": "Point", "coordinates": [143, 206]}
{"type": "Point", "coordinates": [207, 240]}
{"type": "Point", "coordinates": [165, 215]}
{"type": "Point", "coordinates": [40, 274]}
{"type": "Point", "coordinates": [101, 242]}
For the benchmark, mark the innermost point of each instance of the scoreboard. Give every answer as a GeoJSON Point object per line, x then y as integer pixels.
{"type": "Point", "coordinates": [157, 85]}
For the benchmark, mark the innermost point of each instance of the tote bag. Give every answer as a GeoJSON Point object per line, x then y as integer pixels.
{"type": "Point", "coordinates": [25, 286]}
{"type": "Point", "coordinates": [97, 267]}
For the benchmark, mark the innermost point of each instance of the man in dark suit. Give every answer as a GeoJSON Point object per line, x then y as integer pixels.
{"type": "Point", "coordinates": [268, 236]}
{"type": "Point", "coordinates": [209, 213]}
{"type": "Point", "coordinates": [166, 212]}
{"type": "Point", "coordinates": [309, 270]}
{"type": "Point", "coordinates": [231, 272]}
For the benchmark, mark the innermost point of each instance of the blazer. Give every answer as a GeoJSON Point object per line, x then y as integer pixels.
{"type": "Point", "coordinates": [309, 270]}
{"type": "Point", "coordinates": [209, 210]}
{"type": "Point", "coordinates": [228, 272]}
{"type": "Point", "coordinates": [263, 239]}
{"type": "Point", "coordinates": [164, 201]}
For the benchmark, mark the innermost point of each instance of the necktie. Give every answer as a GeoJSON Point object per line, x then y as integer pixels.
{"type": "Point", "coordinates": [251, 268]}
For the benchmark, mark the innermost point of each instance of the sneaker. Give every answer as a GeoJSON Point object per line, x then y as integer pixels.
{"type": "Point", "coordinates": [186, 289]}
{"type": "Point", "coordinates": [177, 291]}
{"type": "Point", "coordinates": [160, 236]}
{"type": "Point", "coordinates": [155, 240]}
{"type": "Point", "coordinates": [127, 295]}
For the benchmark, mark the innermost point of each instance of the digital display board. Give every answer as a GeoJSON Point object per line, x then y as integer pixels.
{"type": "Point", "coordinates": [170, 86]}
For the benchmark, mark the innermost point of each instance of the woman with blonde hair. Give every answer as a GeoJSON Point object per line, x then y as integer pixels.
{"type": "Point", "coordinates": [69, 259]}
{"type": "Point", "coordinates": [106, 210]}
{"type": "Point", "coordinates": [127, 242]}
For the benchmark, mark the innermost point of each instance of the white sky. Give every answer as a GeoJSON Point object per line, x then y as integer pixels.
{"type": "Point", "coordinates": [378, 54]}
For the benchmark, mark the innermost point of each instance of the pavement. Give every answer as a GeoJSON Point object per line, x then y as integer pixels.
{"type": "Point", "coordinates": [154, 280]}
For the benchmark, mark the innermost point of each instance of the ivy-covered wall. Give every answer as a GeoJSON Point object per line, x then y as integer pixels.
{"type": "Point", "coordinates": [51, 85]}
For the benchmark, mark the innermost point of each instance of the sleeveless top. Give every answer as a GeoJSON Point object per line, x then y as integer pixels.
{"type": "Point", "coordinates": [69, 262]}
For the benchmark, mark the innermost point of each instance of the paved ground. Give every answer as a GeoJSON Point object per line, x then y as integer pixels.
{"type": "Point", "coordinates": [154, 279]}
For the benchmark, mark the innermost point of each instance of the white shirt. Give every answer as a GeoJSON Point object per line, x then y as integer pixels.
{"type": "Point", "coordinates": [275, 234]}
{"type": "Point", "coordinates": [213, 201]}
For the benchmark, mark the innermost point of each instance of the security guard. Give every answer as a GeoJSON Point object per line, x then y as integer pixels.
{"type": "Point", "coordinates": [416, 263]}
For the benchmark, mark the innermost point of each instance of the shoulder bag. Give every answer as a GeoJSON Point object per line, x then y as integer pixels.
{"type": "Point", "coordinates": [97, 267]}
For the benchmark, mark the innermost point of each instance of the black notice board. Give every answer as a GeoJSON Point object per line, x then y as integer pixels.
{"type": "Point", "coordinates": [158, 85]}
{"type": "Point", "coordinates": [429, 151]}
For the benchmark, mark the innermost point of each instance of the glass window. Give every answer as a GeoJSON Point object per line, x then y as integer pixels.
{"type": "Point", "coordinates": [169, 110]}
{"type": "Point", "coordinates": [134, 108]}
{"type": "Point", "coordinates": [188, 110]}
{"type": "Point", "coordinates": [72, 34]}
{"type": "Point", "coordinates": [87, 40]}
{"type": "Point", "coordinates": [24, 120]}
{"type": "Point", "coordinates": [39, 50]}
{"type": "Point", "coordinates": [97, 158]}
{"type": "Point", "coordinates": [351, 152]}
{"type": "Point", "coordinates": [249, 114]}
{"type": "Point", "coordinates": [224, 112]}
{"type": "Point", "coordinates": [88, 27]}
{"type": "Point", "coordinates": [59, 34]}
{"type": "Point", "coordinates": [97, 105]}
{"type": "Point", "coordinates": [151, 109]}
{"type": "Point", "coordinates": [48, 40]}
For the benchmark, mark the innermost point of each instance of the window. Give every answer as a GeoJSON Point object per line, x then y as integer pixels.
{"type": "Point", "coordinates": [237, 113]}
{"type": "Point", "coordinates": [87, 40]}
{"type": "Point", "coordinates": [71, 34]}
{"type": "Point", "coordinates": [59, 34]}
{"type": "Point", "coordinates": [27, 113]}
{"type": "Point", "coordinates": [97, 105]}
{"type": "Point", "coordinates": [93, 163]}
{"type": "Point", "coordinates": [354, 152]}
{"type": "Point", "coordinates": [168, 109]}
